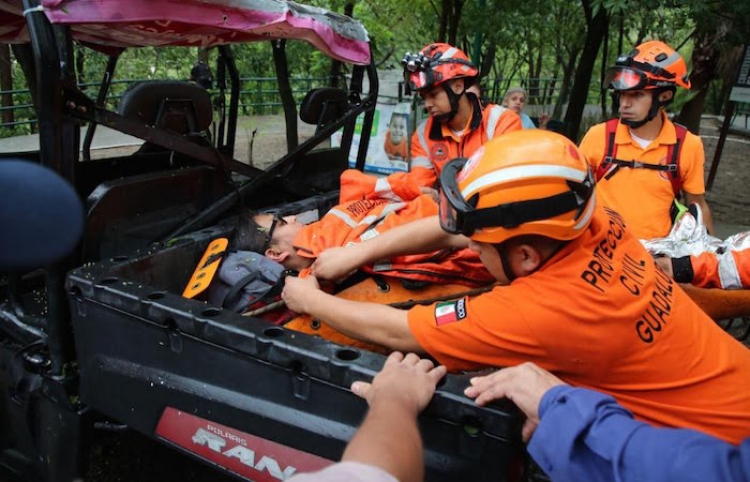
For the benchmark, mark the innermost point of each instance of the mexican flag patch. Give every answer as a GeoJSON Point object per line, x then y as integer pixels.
{"type": "Point", "coordinates": [450, 311]}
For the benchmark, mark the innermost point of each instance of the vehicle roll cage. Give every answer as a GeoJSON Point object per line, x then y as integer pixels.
{"type": "Point", "coordinates": [62, 108]}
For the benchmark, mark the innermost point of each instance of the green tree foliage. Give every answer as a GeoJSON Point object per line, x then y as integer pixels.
{"type": "Point", "coordinates": [512, 42]}
{"type": "Point", "coordinates": [396, 27]}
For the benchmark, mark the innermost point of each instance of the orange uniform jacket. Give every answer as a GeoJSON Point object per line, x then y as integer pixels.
{"type": "Point", "coordinates": [601, 315]}
{"type": "Point", "coordinates": [730, 270]}
{"type": "Point", "coordinates": [364, 214]}
{"type": "Point", "coordinates": [644, 197]}
{"type": "Point", "coordinates": [433, 144]}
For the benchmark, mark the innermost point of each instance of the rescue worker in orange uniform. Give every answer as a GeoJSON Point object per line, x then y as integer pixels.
{"type": "Point", "coordinates": [728, 271]}
{"type": "Point", "coordinates": [457, 124]}
{"type": "Point", "coordinates": [363, 214]}
{"type": "Point", "coordinates": [644, 161]}
{"type": "Point", "coordinates": [578, 294]}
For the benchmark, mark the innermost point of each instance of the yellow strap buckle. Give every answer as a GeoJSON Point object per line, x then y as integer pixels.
{"type": "Point", "coordinates": [206, 269]}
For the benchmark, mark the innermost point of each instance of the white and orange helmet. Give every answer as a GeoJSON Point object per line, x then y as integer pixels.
{"type": "Point", "coordinates": [524, 182]}
{"type": "Point", "coordinates": [435, 64]}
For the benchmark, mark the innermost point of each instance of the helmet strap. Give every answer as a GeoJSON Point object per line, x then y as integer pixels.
{"type": "Point", "coordinates": [652, 112]}
{"type": "Point", "coordinates": [453, 98]}
{"type": "Point", "coordinates": [502, 252]}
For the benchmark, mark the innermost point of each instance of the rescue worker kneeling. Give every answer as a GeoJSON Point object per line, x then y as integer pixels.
{"type": "Point", "coordinates": [579, 295]}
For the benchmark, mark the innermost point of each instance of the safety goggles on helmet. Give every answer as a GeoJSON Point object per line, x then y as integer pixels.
{"type": "Point", "coordinates": [459, 216]}
{"type": "Point", "coordinates": [629, 61]}
{"type": "Point", "coordinates": [625, 78]}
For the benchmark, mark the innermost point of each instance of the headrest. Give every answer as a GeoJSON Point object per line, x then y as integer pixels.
{"type": "Point", "coordinates": [321, 106]}
{"type": "Point", "coordinates": [149, 102]}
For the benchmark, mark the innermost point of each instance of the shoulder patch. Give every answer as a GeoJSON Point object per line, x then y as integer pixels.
{"type": "Point", "coordinates": [439, 151]}
{"type": "Point", "coordinates": [450, 312]}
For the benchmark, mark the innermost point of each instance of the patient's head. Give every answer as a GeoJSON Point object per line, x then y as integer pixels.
{"type": "Point", "coordinates": [272, 236]}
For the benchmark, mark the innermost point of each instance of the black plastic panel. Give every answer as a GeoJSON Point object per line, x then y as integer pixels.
{"type": "Point", "coordinates": [142, 347]}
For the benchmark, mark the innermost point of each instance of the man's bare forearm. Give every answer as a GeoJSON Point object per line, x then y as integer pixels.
{"type": "Point", "coordinates": [370, 322]}
{"type": "Point", "coordinates": [420, 236]}
{"type": "Point", "coordinates": [389, 439]}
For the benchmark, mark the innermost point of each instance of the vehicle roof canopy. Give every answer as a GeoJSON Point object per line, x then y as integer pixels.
{"type": "Point", "coordinates": [193, 23]}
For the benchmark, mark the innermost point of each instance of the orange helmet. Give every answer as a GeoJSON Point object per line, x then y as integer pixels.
{"type": "Point", "coordinates": [435, 64]}
{"type": "Point", "coordinates": [651, 65]}
{"type": "Point", "coordinates": [524, 182]}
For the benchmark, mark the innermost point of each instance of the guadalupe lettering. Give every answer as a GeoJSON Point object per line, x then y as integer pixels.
{"type": "Point", "coordinates": [657, 314]}
{"type": "Point", "coordinates": [644, 332]}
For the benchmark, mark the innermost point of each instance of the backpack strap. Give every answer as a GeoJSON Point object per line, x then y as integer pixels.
{"type": "Point", "coordinates": [275, 287]}
{"type": "Point", "coordinates": [607, 168]}
{"type": "Point", "coordinates": [610, 164]}
{"type": "Point", "coordinates": [673, 156]}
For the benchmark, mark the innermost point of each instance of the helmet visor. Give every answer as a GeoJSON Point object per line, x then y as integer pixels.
{"type": "Point", "coordinates": [625, 78]}
{"type": "Point", "coordinates": [452, 206]}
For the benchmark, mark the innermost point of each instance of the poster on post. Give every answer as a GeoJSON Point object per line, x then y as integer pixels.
{"type": "Point", "coordinates": [741, 89]}
{"type": "Point", "coordinates": [388, 151]}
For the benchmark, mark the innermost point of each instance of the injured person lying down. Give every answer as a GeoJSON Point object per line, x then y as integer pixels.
{"type": "Point", "coordinates": [362, 214]}
{"type": "Point", "coordinates": [359, 216]}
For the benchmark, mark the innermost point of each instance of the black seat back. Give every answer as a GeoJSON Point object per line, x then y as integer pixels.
{"type": "Point", "coordinates": [323, 105]}
{"type": "Point", "coordinates": [181, 107]}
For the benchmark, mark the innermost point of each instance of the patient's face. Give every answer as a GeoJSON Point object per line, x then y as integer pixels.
{"type": "Point", "coordinates": [285, 230]}
{"type": "Point", "coordinates": [282, 240]}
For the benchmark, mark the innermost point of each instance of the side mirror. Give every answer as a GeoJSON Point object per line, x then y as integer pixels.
{"type": "Point", "coordinates": [323, 105]}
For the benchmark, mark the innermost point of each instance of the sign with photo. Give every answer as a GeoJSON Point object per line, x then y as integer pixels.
{"type": "Point", "coordinates": [388, 151]}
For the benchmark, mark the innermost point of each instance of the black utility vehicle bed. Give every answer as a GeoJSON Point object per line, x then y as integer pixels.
{"type": "Point", "coordinates": [105, 334]}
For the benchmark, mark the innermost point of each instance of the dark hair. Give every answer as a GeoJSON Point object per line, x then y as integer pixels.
{"type": "Point", "coordinates": [248, 234]}
{"type": "Point", "coordinates": [536, 240]}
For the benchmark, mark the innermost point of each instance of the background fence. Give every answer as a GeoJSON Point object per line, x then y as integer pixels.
{"type": "Point", "coordinates": [258, 96]}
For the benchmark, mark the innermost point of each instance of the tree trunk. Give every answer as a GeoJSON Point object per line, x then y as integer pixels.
{"type": "Point", "coordinates": [285, 90]}
{"type": "Point", "coordinates": [81, 64]}
{"type": "Point", "coordinates": [454, 20]}
{"type": "Point", "coordinates": [605, 59]}
{"type": "Point", "coordinates": [25, 57]}
{"type": "Point", "coordinates": [6, 83]}
{"type": "Point", "coordinates": [534, 81]}
{"type": "Point", "coordinates": [568, 70]}
{"type": "Point", "coordinates": [445, 10]}
{"type": "Point", "coordinates": [579, 93]}
{"type": "Point", "coordinates": [705, 59]}
{"type": "Point", "coordinates": [487, 60]}
{"type": "Point", "coordinates": [203, 53]}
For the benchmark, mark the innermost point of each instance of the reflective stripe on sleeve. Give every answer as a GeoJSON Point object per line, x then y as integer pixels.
{"type": "Point", "coordinates": [421, 161]}
{"type": "Point", "coordinates": [495, 113]}
{"type": "Point", "coordinates": [728, 274]}
{"type": "Point", "coordinates": [421, 135]}
{"type": "Point", "coordinates": [344, 217]}
{"type": "Point", "coordinates": [384, 190]}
